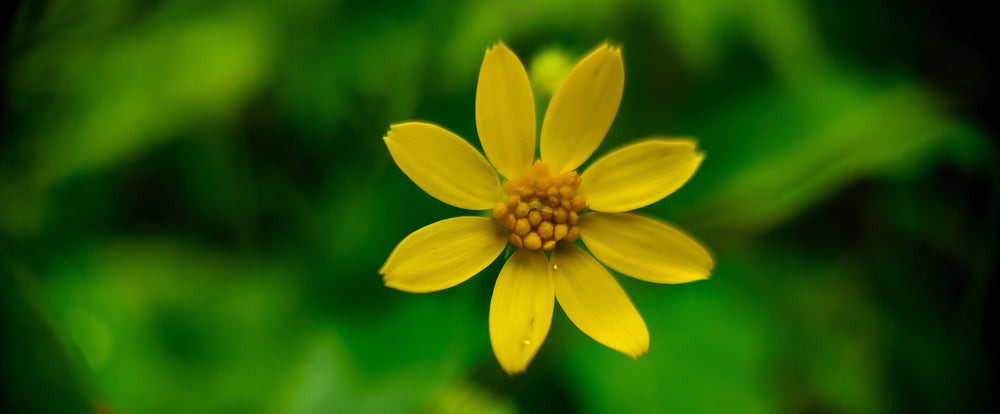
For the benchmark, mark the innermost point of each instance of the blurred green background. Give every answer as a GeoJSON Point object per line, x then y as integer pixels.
{"type": "Point", "coordinates": [195, 198]}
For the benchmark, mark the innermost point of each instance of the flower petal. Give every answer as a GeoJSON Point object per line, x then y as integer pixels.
{"type": "Point", "coordinates": [582, 109]}
{"type": "Point", "coordinates": [443, 254]}
{"type": "Point", "coordinates": [521, 310]}
{"type": "Point", "coordinates": [644, 248]}
{"type": "Point", "coordinates": [505, 112]}
{"type": "Point", "coordinates": [595, 302]}
{"type": "Point", "coordinates": [444, 165]}
{"type": "Point", "coordinates": [639, 175]}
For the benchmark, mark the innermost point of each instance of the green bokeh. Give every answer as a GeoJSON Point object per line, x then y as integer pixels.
{"type": "Point", "coordinates": [195, 200]}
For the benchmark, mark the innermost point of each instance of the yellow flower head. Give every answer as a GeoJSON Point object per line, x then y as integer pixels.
{"type": "Point", "coordinates": [544, 206]}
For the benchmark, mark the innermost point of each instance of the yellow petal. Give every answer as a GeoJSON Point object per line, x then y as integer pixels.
{"type": "Point", "coordinates": [595, 302]}
{"type": "Point", "coordinates": [443, 254]}
{"type": "Point", "coordinates": [444, 165]}
{"type": "Point", "coordinates": [582, 109]}
{"type": "Point", "coordinates": [505, 112]}
{"type": "Point", "coordinates": [639, 174]}
{"type": "Point", "coordinates": [521, 310]}
{"type": "Point", "coordinates": [644, 248]}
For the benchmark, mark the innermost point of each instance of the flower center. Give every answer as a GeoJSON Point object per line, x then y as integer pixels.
{"type": "Point", "coordinates": [541, 209]}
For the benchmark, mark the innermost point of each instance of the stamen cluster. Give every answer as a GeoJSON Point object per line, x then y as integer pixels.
{"type": "Point", "coordinates": [541, 209]}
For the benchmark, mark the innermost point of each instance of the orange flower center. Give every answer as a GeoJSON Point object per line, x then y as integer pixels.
{"type": "Point", "coordinates": [541, 209]}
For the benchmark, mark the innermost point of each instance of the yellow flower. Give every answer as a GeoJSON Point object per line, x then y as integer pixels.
{"type": "Point", "coordinates": [543, 206]}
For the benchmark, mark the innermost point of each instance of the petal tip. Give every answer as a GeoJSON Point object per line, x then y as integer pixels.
{"type": "Point", "coordinates": [389, 283]}
{"type": "Point", "coordinates": [512, 371]}
{"type": "Point", "coordinates": [701, 274]}
{"type": "Point", "coordinates": [610, 48]}
{"type": "Point", "coordinates": [394, 129]}
{"type": "Point", "coordinates": [384, 269]}
{"type": "Point", "coordinates": [710, 265]}
{"type": "Point", "coordinates": [499, 46]}
{"type": "Point", "coordinates": [641, 348]}
{"type": "Point", "coordinates": [513, 365]}
{"type": "Point", "coordinates": [609, 45]}
{"type": "Point", "coordinates": [397, 125]}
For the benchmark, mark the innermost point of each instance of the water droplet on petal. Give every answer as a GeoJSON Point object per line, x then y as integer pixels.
{"type": "Point", "coordinates": [526, 342]}
{"type": "Point", "coordinates": [555, 266]}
